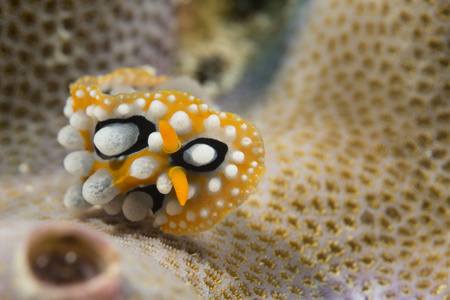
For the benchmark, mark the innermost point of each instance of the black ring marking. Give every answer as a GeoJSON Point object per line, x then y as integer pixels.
{"type": "Point", "coordinates": [220, 147]}
{"type": "Point", "coordinates": [145, 128]}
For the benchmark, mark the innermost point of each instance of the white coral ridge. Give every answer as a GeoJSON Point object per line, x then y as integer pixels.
{"type": "Point", "coordinates": [116, 138]}
{"type": "Point", "coordinates": [98, 188]}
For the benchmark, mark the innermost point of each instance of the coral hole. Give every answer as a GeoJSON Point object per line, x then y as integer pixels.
{"type": "Point", "coordinates": [64, 258]}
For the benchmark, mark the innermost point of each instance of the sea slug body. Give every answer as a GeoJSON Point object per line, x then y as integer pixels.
{"type": "Point", "coordinates": [161, 155]}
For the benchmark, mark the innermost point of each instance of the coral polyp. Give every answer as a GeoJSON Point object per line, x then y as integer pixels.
{"type": "Point", "coordinates": [163, 154]}
{"type": "Point", "coordinates": [64, 261]}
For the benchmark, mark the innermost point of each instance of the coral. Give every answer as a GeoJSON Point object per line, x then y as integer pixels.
{"type": "Point", "coordinates": [45, 45]}
{"type": "Point", "coordinates": [59, 260]}
{"type": "Point", "coordinates": [355, 202]}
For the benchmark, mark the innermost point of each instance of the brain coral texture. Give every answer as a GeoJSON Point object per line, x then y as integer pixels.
{"type": "Point", "coordinates": [355, 203]}
{"type": "Point", "coordinates": [45, 45]}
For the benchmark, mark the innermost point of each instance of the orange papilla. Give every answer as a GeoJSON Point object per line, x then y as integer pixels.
{"type": "Point", "coordinates": [178, 177]}
{"type": "Point", "coordinates": [170, 138]}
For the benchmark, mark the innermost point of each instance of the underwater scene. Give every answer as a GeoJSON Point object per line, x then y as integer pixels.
{"type": "Point", "coordinates": [227, 149]}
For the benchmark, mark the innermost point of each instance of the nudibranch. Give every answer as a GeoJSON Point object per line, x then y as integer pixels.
{"type": "Point", "coordinates": [162, 155]}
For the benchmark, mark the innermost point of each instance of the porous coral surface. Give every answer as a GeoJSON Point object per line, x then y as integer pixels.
{"type": "Point", "coordinates": [45, 45]}
{"type": "Point", "coordinates": [357, 131]}
{"type": "Point", "coordinates": [355, 202]}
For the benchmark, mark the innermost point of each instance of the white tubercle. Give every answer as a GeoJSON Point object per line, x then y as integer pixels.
{"type": "Point", "coordinates": [79, 163]}
{"type": "Point", "coordinates": [79, 93]}
{"type": "Point", "coordinates": [164, 184]}
{"type": "Point", "coordinates": [173, 207]}
{"type": "Point", "coordinates": [171, 98]}
{"type": "Point", "coordinates": [246, 141]}
{"type": "Point", "coordinates": [181, 122]}
{"type": "Point", "coordinates": [231, 171]}
{"type": "Point", "coordinates": [193, 108]}
{"type": "Point", "coordinates": [136, 206]}
{"type": "Point", "coordinates": [100, 113]}
{"type": "Point", "coordinates": [230, 132]}
{"type": "Point", "coordinates": [214, 185]}
{"type": "Point", "coordinates": [155, 142]}
{"type": "Point", "coordinates": [74, 200]}
{"type": "Point", "coordinates": [70, 138]}
{"type": "Point", "coordinates": [140, 102]}
{"type": "Point", "coordinates": [157, 109]}
{"type": "Point", "coordinates": [235, 192]}
{"type": "Point", "coordinates": [114, 139]}
{"type": "Point", "coordinates": [68, 111]}
{"type": "Point", "coordinates": [70, 101]}
{"type": "Point", "coordinates": [199, 155]}
{"type": "Point", "coordinates": [192, 190]}
{"type": "Point", "coordinates": [160, 218]}
{"type": "Point", "coordinates": [123, 109]}
{"type": "Point", "coordinates": [190, 216]}
{"type": "Point", "coordinates": [90, 110]}
{"type": "Point", "coordinates": [114, 206]}
{"type": "Point", "coordinates": [80, 120]}
{"type": "Point", "coordinates": [98, 189]}
{"type": "Point", "coordinates": [238, 157]}
{"type": "Point", "coordinates": [204, 213]}
{"type": "Point", "coordinates": [143, 167]}
{"type": "Point", "coordinates": [212, 123]}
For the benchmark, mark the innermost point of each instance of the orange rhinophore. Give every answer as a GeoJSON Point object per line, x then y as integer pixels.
{"type": "Point", "coordinates": [178, 177]}
{"type": "Point", "coordinates": [170, 139]}
{"type": "Point", "coordinates": [157, 155]}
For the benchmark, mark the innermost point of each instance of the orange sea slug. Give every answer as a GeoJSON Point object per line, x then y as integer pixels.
{"type": "Point", "coordinates": [162, 153]}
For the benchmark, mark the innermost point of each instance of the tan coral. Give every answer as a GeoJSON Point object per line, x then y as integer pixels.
{"type": "Point", "coordinates": [360, 130]}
